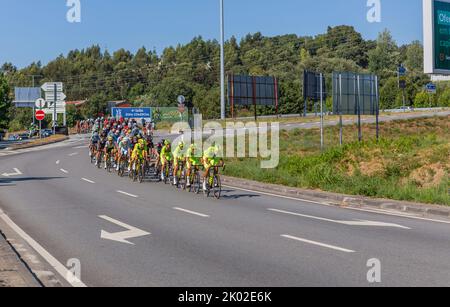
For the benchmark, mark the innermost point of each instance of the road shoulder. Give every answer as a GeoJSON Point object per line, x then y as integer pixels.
{"type": "Point", "coordinates": [340, 200]}
{"type": "Point", "coordinates": [22, 265]}
{"type": "Point", "coordinates": [13, 271]}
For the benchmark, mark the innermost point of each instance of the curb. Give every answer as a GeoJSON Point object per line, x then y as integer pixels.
{"type": "Point", "coordinates": [340, 200]}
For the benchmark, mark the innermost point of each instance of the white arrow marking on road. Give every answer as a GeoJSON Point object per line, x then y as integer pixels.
{"type": "Point", "coordinates": [17, 173]}
{"type": "Point", "coordinates": [123, 236]}
{"type": "Point", "coordinates": [349, 223]}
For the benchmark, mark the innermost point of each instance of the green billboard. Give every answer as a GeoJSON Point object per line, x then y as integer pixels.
{"type": "Point", "coordinates": [442, 35]}
{"type": "Point", "coordinates": [436, 25]}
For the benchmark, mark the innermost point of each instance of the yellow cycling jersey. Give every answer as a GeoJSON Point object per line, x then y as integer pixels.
{"type": "Point", "coordinates": [138, 151]}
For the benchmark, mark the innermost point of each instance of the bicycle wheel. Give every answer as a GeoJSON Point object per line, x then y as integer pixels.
{"type": "Point", "coordinates": [196, 184]}
{"type": "Point", "coordinates": [141, 173]}
{"type": "Point", "coordinates": [108, 165]}
{"type": "Point", "coordinates": [217, 187]}
{"type": "Point", "coordinates": [99, 162]}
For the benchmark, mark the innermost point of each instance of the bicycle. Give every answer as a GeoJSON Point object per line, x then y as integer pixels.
{"type": "Point", "coordinates": [138, 170]}
{"type": "Point", "coordinates": [168, 172]}
{"type": "Point", "coordinates": [123, 165]}
{"type": "Point", "coordinates": [92, 153]}
{"type": "Point", "coordinates": [181, 175]}
{"type": "Point", "coordinates": [213, 182]}
{"type": "Point", "coordinates": [195, 179]}
{"type": "Point", "coordinates": [109, 163]}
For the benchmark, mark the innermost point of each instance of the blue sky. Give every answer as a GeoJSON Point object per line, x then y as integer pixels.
{"type": "Point", "coordinates": [33, 30]}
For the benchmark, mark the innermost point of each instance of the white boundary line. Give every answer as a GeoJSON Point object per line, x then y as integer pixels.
{"type": "Point", "coordinates": [127, 194]}
{"type": "Point", "coordinates": [380, 211]}
{"type": "Point", "coordinates": [61, 269]}
{"type": "Point", "coordinates": [191, 212]}
{"type": "Point", "coordinates": [318, 244]}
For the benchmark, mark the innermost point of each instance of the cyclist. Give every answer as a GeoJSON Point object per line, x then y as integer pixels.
{"type": "Point", "coordinates": [210, 159]}
{"type": "Point", "coordinates": [124, 150]}
{"type": "Point", "coordinates": [178, 158]}
{"type": "Point", "coordinates": [165, 157]}
{"type": "Point", "coordinates": [100, 148]}
{"type": "Point", "coordinates": [192, 160]}
{"type": "Point", "coordinates": [109, 149]}
{"type": "Point", "coordinates": [95, 138]}
{"type": "Point", "coordinates": [138, 153]}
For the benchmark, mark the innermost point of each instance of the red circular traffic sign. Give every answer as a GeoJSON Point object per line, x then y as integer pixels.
{"type": "Point", "coordinates": [40, 115]}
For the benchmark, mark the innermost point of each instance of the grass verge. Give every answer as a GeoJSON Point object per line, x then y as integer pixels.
{"type": "Point", "coordinates": [411, 161]}
{"type": "Point", "coordinates": [40, 142]}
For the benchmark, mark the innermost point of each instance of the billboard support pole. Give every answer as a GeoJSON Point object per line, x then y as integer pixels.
{"type": "Point", "coordinates": [359, 110]}
{"type": "Point", "coordinates": [254, 98]}
{"type": "Point", "coordinates": [341, 134]}
{"type": "Point", "coordinates": [276, 95]}
{"type": "Point", "coordinates": [321, 113]}
{"type": "Point", "coordinates": [232, 95]}
{"type": "Point", "coordinates": [377, 100]}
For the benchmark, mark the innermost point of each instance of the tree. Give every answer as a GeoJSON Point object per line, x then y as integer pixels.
{"type": "Point", "coordinates": [5, 102]}
{"type": "Point", "coordinates": [444, 98]}
{"type": "Point", "coordinates": [389, 94]}
{"type": "Point", "coordinates": [96, 106]}
{"type": "Point", "coordinates": [414, 57]}
{"type": "Point", "coordinates": [385, 58]}
{"type": "Point", "coordinates": [422, 100]}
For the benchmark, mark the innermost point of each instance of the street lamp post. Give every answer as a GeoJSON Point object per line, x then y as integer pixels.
{"type": "Point", "coordinates": [222, 62]}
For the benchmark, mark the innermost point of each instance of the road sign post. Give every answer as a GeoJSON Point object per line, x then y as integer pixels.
{"type": "Point", "coordinates": [39, 104]}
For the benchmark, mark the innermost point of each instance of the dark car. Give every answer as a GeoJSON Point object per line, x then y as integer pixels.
{"type": "Point", "coordinates": [47, 132]}
{"type": "Point", "coordinates": [24, 136]}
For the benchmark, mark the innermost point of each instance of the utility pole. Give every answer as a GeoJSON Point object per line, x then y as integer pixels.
{"type": "Point", "coordinates": [222, 62]}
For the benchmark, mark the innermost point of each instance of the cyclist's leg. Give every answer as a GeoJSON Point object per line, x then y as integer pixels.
{"type": "Point", "coordinates": [188, 172]}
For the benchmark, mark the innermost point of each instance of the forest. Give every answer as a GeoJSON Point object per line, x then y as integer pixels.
{"type": "Point", "coordinates": [147, 78]}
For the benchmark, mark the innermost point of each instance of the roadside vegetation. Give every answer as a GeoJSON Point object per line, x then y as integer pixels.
{"type": "Point", "coordinates": [411, 161]}
{"type": "Point", "coordinates": [147, 78]}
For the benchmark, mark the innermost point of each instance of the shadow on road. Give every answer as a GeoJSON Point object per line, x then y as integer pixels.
{"type": "Point", "coordinates": [237, 196]}
{"type": "Point", "coordinates": [11, 181]}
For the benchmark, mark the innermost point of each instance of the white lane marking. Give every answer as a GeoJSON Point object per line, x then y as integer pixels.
{"type": "Point", "coordinates": [81, 147]}
{"type": "Point", "coordinates": [73, 154]}
{"type": "Point", "coordinates": [57, 162]}
{"type": "Point", "coordinates": [87, 180]}
{"type": "Point", "coordinates": [349, 223]}
{"type": "Point", "coordinates": [318, 244]}
{"type": "Point", "coordinates": [17, 172]}
{"type": "Point", "coordinates": [380, 211]}
{"type": "Point", "coordinates": [191, 212]}
{"type": "Point", "coordinates": [64, 171]}
{"type": "Point", "coordinates": [61, 269]}
{"type": "Point", "coordinates": [127, 194]}
{"type": "Point", "coordinates": [123, 236]}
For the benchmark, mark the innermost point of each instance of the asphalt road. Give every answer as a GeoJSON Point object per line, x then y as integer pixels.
{"type": "Point", "coordinates": [64, 203]}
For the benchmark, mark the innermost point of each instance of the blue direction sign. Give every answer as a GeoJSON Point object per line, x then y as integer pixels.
{"type": "Point", "coordinates": [401, 71]}
{"type": "Point", "coordinates": [132, 113]}
{"type": "Point", "coordinates": [431, 88]}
